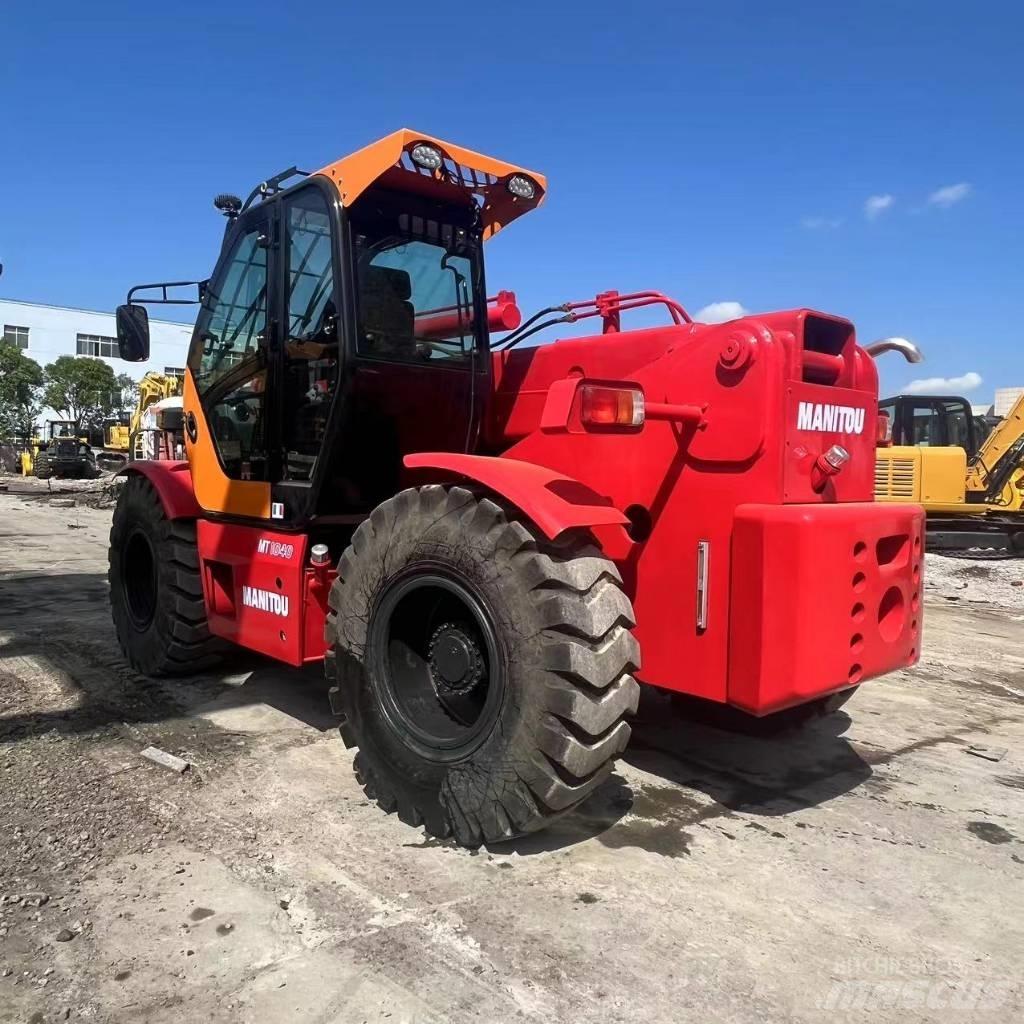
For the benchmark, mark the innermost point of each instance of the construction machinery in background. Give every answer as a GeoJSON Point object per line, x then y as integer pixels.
{"type": "Point", "coordinates": [479, 538]}
{"type": "Point", "coordinates": [967, 473]}
{"type": "Point", "coordinates": [129, 437]}
{"type": "Point", "coordinates": [62, 453]}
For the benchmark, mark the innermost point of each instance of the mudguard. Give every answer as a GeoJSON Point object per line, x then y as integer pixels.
{"type": "Point", "coordinates": [173, 482]}
{"type": "Point", "coordinates": [555, 502]}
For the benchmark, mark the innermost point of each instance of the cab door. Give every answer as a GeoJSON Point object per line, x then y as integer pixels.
{"type": "Point", "coordinates": [309, 357]}
{"type": "Point", "coordinates": [230, 426]}
{"type": "Point", "coordinates": [413, 386]}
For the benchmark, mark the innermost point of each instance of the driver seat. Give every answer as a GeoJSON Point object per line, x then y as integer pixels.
{"type": "Point", "coordinates": [388, 317]}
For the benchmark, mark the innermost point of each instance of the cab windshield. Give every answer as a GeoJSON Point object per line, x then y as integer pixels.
{"type": "Point", "coordinates": [419, 287]}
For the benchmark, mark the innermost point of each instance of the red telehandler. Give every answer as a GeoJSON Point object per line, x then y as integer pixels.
{"type": "Point", "coordinates": [479, 538]}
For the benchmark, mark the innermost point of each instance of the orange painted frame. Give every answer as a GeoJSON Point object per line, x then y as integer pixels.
{"type": "Point", "coordinates": [354, 174]}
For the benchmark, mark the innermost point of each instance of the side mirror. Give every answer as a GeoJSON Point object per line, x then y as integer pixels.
{"type": "Point", "coordinates": [133, 333]}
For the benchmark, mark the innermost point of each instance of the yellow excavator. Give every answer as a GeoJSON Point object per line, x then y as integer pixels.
{"type": "Point", "coordinates": [122, 440]}
{"type": "Point", "coordinates": [969, 477]}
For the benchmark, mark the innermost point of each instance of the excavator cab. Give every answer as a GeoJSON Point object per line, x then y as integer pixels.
{"type": "Point", "coordinates": [932, 421]}
{"type": "Point", "coordinates": [968, 475]}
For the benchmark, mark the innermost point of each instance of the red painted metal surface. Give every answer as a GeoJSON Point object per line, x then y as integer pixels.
{"type": "Point", "coordinates": [173, 482]}
{"type": "Point", "coordinates": [822, 597]}
{"type": "Point", "coordinates": [261, 592]}
{"type": "Point", "coordinates": [765, 419]}
{"type": "Point", "coordinates": [756, 578]}
{"type": "Point", "coordinates": [502, 315]}
{"type": "Point", "coordinates": [554, 501]}
{"type": "Point", "coordinates": [610, 305]}
{"type": "Point", "coordinates": [675, 413]}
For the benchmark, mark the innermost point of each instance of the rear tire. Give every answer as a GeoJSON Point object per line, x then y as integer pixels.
{"type": "Point", "coordinates": [540, 634]}
{"type": "Point", "coordinates": [156, 594]}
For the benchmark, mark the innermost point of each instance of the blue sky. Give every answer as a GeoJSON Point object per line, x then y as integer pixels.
{"type": "Point", "coordinates": [769, 154]}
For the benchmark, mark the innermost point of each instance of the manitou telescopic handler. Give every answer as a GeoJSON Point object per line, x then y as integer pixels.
{"type": "Point", "coordinates": [479, 538]}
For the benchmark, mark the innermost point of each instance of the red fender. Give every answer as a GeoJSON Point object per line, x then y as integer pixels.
{"type": "Point", "coordinates": [554, 502]}
{"type": "Point", "coordinates": [173, 482]}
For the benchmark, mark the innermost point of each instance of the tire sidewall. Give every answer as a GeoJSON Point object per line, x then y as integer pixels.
{"type": "Point", "coordinates": [138, 510]}
{"type": "Point", "coordinates": [444, 549]}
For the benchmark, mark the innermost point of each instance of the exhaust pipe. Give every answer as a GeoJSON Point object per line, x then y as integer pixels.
{"type": "Point", "coordinates": [907, 349]}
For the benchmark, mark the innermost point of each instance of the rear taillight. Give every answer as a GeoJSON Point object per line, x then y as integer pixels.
{"type": "Point", "coordinates": [611, 407]}
{"type": "Point", "coordinates": [883, 434]}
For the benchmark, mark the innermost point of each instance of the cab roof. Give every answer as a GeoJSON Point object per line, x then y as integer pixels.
{"type": "Point", "coordinates": [464, 176]}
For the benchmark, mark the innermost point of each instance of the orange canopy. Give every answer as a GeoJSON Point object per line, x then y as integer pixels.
{"type": "Point", "coordinates": [463, 175]}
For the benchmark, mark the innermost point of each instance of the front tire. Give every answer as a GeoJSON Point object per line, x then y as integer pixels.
{"type": "Point", "coordinates": [483, 672]}
{"type": "Point", "coordinates": [156, 594]}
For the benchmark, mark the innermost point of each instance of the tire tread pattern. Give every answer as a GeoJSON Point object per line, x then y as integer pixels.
{"type": "Point", "coordinates": [583, 690]}
{"type": "Point", "coordinates": [179, 641]}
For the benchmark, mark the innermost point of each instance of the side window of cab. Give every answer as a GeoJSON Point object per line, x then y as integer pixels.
{"type": "Point", "coordinates": [229, 358]}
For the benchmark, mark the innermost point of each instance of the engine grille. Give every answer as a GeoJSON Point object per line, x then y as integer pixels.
{"type": "Point", "coordinates": [894, 478]}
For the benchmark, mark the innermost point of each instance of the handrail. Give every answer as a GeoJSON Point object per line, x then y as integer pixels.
{"type": "Point", "coordinates": [608, 305]}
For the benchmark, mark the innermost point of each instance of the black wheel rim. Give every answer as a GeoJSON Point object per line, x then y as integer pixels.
{"type": "Point", "coordinates": [138, 570]}
{"type": "Point", "coordinates": [435, 664]}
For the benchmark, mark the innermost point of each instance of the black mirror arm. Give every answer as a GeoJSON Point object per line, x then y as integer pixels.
{"type": "Point", "coordinates": [164, 299]}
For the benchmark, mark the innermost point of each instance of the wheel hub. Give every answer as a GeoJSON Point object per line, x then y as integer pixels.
{"type": "Point", "coordinates": [456, 661]}
{"type": "Point", "coordinates": [435, 664]}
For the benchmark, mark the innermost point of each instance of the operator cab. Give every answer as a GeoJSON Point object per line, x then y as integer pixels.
{"type": "Point", "coordinates": [932, 421]}
{"type": "Point", "coordinates": [319, 360]}
{"type": "Point", "coordinates": [344, 327]}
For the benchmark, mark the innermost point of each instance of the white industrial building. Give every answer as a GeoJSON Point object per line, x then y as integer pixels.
{"type": "Point", "coordinates": [1005, 400]}
{"type": "Point", "coordinates": [46, 332]}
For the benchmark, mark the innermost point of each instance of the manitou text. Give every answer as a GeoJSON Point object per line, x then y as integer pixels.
{"type": "Point", "coordinates": [265, 601]}
{"type": "Point", "coordinates": [842, 419]}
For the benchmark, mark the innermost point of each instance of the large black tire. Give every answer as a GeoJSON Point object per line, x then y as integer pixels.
{"type": "Point", "coordinates": [559, 687]}
{"type": "Point", "coordinates": [156, 595]}
{"type": "Point", "coordinates": [42, 469]}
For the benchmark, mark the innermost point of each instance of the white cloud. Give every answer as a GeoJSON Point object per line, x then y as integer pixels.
{"type": "Point", "coordinates": [720, 312]}
{"type": "Point", "coordinates": [946, 196]}
{"type": "Point", "coordinates": [818, 223]}
{"type": "Point", "coordinates": [874, 206]}
{"type": "Point", "coordinates": [944, 385]}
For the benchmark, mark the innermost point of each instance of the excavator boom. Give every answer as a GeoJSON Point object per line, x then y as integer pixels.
{"type": "Point", "coordinates": [997, 467]}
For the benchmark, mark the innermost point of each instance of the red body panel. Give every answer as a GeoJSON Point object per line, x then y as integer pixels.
{"type": "Point", "coordinates": [261, 593]}
{"type": "Point", "coordinates": [810, 586]}
{"type": "Point", "coordinates": [749, 378]}
{"type": "Point", "coordinates": [555, 502]}
{"type": "Point", "coordinates": [173, 482]}
{"type": "Point", "coordinates": [822, 597]}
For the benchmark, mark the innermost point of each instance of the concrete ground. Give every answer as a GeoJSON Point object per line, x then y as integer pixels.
{"type": "Point", "coordinates": [872, 867]}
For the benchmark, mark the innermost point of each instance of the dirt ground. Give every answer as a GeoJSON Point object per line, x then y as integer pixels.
{"type": "Point", "coordinates": [872, 867]}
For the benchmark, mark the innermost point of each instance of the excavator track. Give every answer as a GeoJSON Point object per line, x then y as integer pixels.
{"type": "Point", "coordinates": [965, 537]}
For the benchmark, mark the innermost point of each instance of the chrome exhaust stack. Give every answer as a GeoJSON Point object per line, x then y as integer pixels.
{"type": "Point", "coordinates": [906, 348]}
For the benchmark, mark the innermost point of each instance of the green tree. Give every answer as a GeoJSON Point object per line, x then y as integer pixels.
{"type": "Point", "coordinates": [21, 384]}
{"type": "Point", "coordinates": [81, 389]}
{"type": "Point", "coordinates": [127, 393]}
